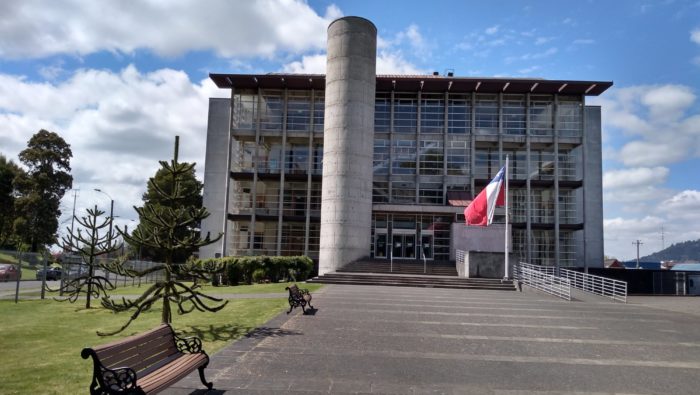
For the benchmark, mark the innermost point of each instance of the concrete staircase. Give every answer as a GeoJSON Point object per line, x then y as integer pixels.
{"type": "Point", "coordinates": [408, 274]}
{"type": "Point", "coordinates": [434, 268]}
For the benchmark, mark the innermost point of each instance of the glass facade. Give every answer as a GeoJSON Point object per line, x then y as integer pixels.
{"type": "Point", "coordinates": [426, 146]}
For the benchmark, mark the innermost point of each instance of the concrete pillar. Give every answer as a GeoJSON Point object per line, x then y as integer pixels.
{"type": "Point", "coordinates": [346, 196]}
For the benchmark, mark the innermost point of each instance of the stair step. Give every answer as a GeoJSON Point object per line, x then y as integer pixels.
{"type": "Point", "coordinates": [412, 281]}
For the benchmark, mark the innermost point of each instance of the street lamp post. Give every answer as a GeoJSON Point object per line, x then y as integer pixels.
{"type": "Point", "coordinates": [111, 209]}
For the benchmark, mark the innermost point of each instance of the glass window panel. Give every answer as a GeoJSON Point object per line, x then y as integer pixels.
{"type": "Point", "coordinates": [459, 114]}
{"type": "Point", "coordinates": [486, 114]}
{"type": "Point", "coordinates": [382, 112]}
{"type": "Point", "coordinates": [244, 105]}
{"type": "Point", "coordinates": [514, 114]}
{"type": "Point", "coordinates": [405, 113]}
{"type": "Point", "coordinates": [298, 111]}
{"type": "Point", "coordinates": [404, 157]}
{"type": "Point", "coordinates": [271, 110]}
{"type": "Point", "coordinates": [541, 113]}
{"type": "Point", "coordinates": [432, 116]}
{"type": "Point", "coordinates": [431, 157]}
{"type": "Point", "coordinates": [319, 108]}
{"type": "Point", "coordinates": [381, 156]}
{"type": "Point", "coordinates": [403, 192]}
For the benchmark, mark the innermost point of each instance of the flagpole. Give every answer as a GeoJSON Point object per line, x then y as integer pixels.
{"type": "Point", "coordinates": [507, 275]}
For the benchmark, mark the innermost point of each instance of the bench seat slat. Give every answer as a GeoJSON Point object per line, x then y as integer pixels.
{"type": "Point", "coordinates": [171, 373]}
{"type": "Point", "coordinates": [138, 338]}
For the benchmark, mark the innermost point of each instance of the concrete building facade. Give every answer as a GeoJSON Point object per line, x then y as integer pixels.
{"type": "Point", "coordinates": [352, 164]}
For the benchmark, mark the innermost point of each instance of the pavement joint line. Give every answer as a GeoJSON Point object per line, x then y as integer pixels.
{"type": "Point", "coordinates": [492, 308]}
{"type": "Point", "coordinates": [521, 316]}
{"type": "Point", "coordinates": [476, 324]}
{"type": "Point", "coordinates": [489, 358]}
{"type": "Point", "coordinates": [523, 339]}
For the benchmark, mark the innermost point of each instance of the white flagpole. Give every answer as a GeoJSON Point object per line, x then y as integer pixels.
{"type": "Point", "coordinates": [507, 275]}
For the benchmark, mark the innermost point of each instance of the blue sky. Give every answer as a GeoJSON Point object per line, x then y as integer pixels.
{"type": "Point", "coordinates": [119, 79]}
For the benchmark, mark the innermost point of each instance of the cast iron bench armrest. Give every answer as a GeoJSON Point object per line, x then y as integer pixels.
{"type": "Point", "coordinates": [115, 381]}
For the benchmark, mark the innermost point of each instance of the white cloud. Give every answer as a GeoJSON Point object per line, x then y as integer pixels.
{"type": "Point", "coordinates": [683, 204]}
{"type": "Point", "coordinates": [119, 124]}
{"type": "Point", "coordinates": [492, 30]}
{"type": "Point", "coordinates": [634, 178]}
{"type": "Point", "coordinates": [653, 123]}
{"type": "Point", "coordinates": [309, 64]}
{"type": "Point", "coordinates": [695, 36]}
{"type": "Point", "coordinates": [35, 29]}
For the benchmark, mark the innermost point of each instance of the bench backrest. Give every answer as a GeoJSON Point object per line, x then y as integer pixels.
{"type": "Point", "coordinates": [294, 291]}
{"type": "Point", "coordinates": [143, 352]}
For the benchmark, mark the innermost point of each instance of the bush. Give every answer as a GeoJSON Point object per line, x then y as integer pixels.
{"type": "Point", "coordinates": [250, 269]}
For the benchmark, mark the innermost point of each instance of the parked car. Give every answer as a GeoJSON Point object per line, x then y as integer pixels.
{"type": "Point", "coordinates": [9, 272]}
{"type": "Point", "coordinates": [52, 273]}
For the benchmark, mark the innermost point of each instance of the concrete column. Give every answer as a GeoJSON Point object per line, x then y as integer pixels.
{"type": "Point", "coordinates": [593, 187]}
{"type": "Point", "coordinates": [346, 196]}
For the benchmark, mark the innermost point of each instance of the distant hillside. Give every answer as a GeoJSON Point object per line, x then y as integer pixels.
{"type": "Point", "coordinates": [685, 251]}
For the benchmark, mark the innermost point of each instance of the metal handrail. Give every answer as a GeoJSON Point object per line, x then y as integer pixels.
{"type": "Point", "coordinates": [597, 285]}
{"type": "Point", "coordinates": [536, 276]}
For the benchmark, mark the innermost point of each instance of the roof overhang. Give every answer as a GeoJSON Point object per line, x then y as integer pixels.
{"type": "Point", "coordinates": [413, 83]}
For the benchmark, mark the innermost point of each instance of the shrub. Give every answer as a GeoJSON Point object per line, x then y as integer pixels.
{"type": "Point", "coordinates": [250, 269]}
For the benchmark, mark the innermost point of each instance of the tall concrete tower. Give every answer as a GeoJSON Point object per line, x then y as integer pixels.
{"type": "Point", "coordinates": [346, 200]}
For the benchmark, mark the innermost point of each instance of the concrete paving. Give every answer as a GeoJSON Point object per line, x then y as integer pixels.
{"type": "Point", "coordinates": [373, 339]}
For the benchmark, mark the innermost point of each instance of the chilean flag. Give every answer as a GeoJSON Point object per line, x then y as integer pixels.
{"type": "Point", "coordinates": [480, 210]}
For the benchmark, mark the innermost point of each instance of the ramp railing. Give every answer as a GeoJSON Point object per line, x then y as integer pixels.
{"type": "Point", "coordinates": [597, 285]}
{"type": "Point", "coordinates": [536, 276]}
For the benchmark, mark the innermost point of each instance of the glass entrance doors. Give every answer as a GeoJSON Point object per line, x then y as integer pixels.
{"type": "Point", "coordinates": [404, 246]}
{"type": "Point", "coordinates": [380, 246]}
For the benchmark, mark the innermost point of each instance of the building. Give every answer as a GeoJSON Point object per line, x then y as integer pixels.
{"type": "Point", "coordinates": [403, 155]}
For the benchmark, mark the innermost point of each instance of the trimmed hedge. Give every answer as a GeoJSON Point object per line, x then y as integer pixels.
{"type": "Point", "coordinates": [249, 269]}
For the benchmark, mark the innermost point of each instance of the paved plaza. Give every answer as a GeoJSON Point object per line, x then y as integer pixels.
{"type": "Point", "coordinates": [394, 340]}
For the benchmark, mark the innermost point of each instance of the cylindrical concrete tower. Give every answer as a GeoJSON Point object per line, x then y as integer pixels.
{"type": "Point", "coordinates": [346, 201]}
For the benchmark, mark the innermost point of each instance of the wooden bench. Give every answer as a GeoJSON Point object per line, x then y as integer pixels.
{"type": "Point", "coordinates": [298, 297]}
{"type": "Point", "coordinates": [146, 363]}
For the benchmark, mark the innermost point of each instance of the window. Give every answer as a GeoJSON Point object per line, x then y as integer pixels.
{"type": "Point", "coordinates": [404, 157]}
{"type": "Point", "coordinates": [296, 159]}
{"type": "Point", "coordinates": [514, 111]}
{"type": "Point", "coordinates": [298, 111]}
{"type": "Point", "coordinates": [432, 113]}
{"type": "Point", "coordinates": [430, 193]}
{"type": "Point", "coordinates": [457, 158]}
{"type": "Point", "coordinates": [381, 156]}
{"type": "Point", "coordinates": [459, 114]}
{"type": "Point", "coordinates": [271, 111]}
{"type": "Point", "coordinates": [382, 112]}
{"type": "Point", "coordinates": [319, 108]}
{"type": "Point", "coordinates": [405, 113]}
{"type": "Point", "coordinates": [431, 157]}
{"type": "Point", "coordinates": [244, 105]}
{"type": "Point", "coordinates": [541, 113]}
{"type": "Point", "coordinates": [403, 192]}
{"type": "Point", "coordinates": [569, 116]}
{"type": "Point", "coordinates": [486, 114]}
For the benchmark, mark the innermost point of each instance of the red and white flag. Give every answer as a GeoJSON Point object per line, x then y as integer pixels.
{"type": "Point", "coordinates": [480, 210]}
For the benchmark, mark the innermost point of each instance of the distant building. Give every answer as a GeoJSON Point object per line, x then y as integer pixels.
{"type": "Point", "coordinates": [352, 164]}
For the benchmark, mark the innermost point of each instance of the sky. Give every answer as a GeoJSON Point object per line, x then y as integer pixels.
{"type": "Point", "coordinates": [118, 80]}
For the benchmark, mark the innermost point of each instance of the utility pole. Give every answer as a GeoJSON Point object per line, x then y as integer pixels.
{"type": "Point", "coordinates": [638, 243]}
{"type": "Point", "coordinates": [663, 244]}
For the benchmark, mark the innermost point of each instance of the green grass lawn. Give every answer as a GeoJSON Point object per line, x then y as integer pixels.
{"type": "Point", "coordinates": [238, 289]}
{"type": "Point", "coordinates": [40, 341]}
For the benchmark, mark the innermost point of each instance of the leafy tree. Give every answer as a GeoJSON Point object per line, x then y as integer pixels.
{"type": "Point", "coordinates": [90, 245]}
{"type": "Point", "coordinates": [152, 199]}
{"type": "Point", "coordinates": [9, 171]}
{"type": "Point", "coordinates": [168, 231]}
{"type": "Point", "coordinates": [47, 159]}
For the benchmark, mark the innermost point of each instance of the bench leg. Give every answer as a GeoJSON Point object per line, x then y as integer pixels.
{"type": "Point", "coordinates": [291, 306]}
{"type": "Point", "coordinates": [206, 383]}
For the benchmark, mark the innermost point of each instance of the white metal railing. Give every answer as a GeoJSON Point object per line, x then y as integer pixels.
{"type": "Point", "coordinates": [459, 263]}
{"type": "Point", "coordinates": [597, 285]}
{"type": "Point", "coordinates": [536, 276]}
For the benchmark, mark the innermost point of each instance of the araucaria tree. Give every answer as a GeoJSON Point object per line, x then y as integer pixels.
{"type": "Point", "coordinates": [95, 241]}
{"type": "Point", "coordinates": [47, 158]}
{"type": "Point", "coordinates": [170, 227]}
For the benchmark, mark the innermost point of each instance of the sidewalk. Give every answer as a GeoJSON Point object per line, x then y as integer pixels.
{"type": "Point", "coordinates": [397, 340]}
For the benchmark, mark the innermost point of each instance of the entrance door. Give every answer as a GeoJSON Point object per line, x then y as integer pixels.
{"type": "Point", "coordinates": [397, 246]}
{"type": "Point", "coordinates": [409, 242]}
{"type": "Point", "coordinates": [380, 245]}
{"type": "Point", "coordinates": [427, 246]}
{"type": "Point", "coordinates": [403, 245]}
